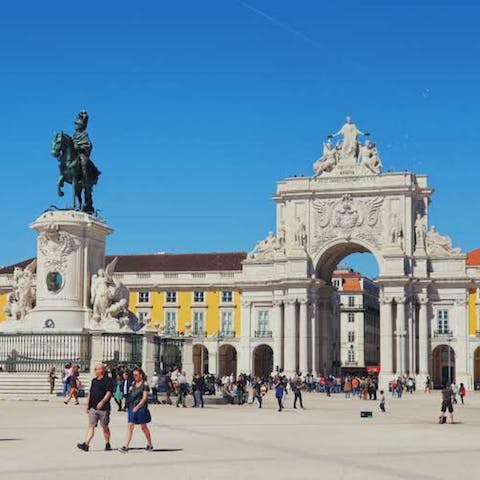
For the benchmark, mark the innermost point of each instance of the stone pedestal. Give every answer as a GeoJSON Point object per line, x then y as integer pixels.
{"type": "Point", "coordinates": [70, 248]}
{"type": "Point", "coordinates": [148, 351]}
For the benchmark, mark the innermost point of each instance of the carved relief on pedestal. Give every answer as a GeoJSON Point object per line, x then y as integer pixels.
{"type": "Point", "coordinates": [22, 298]}
{"type": "Point", "coordinates": [55, 246]}
{"type": "Point", "coordinates": [348, 217]}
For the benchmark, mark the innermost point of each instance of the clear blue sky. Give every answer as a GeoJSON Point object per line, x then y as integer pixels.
{"type": "Point", "coordinates": [198, 107]}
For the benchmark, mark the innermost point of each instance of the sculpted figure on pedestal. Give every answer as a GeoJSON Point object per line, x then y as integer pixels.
{"type": "Point", "coordinates": [396, 230]}
{"type": "Point", "coordinates": [265, 249]}
{"type": "Point", "coordinates": [349, 146]}
{"type": "Point", "coordinates": [370, 158]}
{"type": "Point", "coordinates": [420, 231]}
{"type": "Point", "coordinates": [327, 161]}
{"type": "Point", "coordinates": [439, 245]}
{"type": "Point", "coordinates": [22, 299]}
{"type": "Point", "coordinates": [109, 297]}
{"type": "Point", "coordinates": [300, 238]}
{"type": "Point", "coordinates": [75, 165]}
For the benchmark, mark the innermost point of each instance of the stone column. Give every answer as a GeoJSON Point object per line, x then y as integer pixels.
{"type": "Point", "coordinates": [401, 332]}
{"type": "Point", "coordinates": [386, 341]}
{"type": "Point", "coordinates": [314, 336]}
{"type": "Point", "coordinates": [326, 337]}
{"type": "Point", "coordinates": [277, 332]}
{"type": "Point", "coordinates": [410, 363]}
{"type": "Point", "coordinates": [423, 334]}
{"type": "Point", "coordinates": [290, 338]}
{"type": "Point", "coordinates": [148, 352]}
{"type": "Point", "coordinates": [187, 356]}
{"type": "Point", "coordinates": [96, 349]}
{"type": "Point", "coordinates": [303, 337]}
{"type": "Point", "coordinates": [244, 361]}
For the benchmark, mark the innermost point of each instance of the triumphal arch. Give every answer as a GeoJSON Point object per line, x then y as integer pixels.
{"type": "Point", "coordinates": [350, 206]}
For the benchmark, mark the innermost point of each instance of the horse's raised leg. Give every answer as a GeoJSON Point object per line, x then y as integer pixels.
{"type": "Point", "coordinates": [60, 184]}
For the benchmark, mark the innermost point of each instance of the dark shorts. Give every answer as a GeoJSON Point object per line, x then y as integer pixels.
{"type": "Point", "coordinates": [447, 406]}
{"type": "Point", "coordinates": [102, 416]}
{"type": "Point", "coordinates": [140, 417]}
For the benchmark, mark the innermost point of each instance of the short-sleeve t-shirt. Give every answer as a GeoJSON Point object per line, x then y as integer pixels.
{"type": "Point", "coordinates": [136, 393]}
{"type": "Point", "coordinates": [98, 390]}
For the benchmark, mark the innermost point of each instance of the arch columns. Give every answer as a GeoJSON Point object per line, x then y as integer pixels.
{"type": "Point", "coordinates": [290, 338]}
{"type": "Point", "coordinates": [423, 335]}
{"type": "Point", "coordinates": [303, 336]}
{"type": "Point", "coordinates": [386, 341]}
{"type": "Point", "coordinates": [401, 335]}
{"type": "Point", "coordinates": [277, 332]}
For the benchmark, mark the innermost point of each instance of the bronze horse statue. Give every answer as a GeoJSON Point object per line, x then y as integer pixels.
{"type": "Point", "coordinates": [71, 172]}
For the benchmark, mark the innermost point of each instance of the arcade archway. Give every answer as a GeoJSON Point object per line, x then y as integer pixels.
{"type": "Point", "coordinates": [443, 365]}
{"type": "Point", "coordinates": [476, 368]}
{"type": "Point", "coordinates": [200, 359]}
{"type": "Point", "coordinates": [262, 361]}
{"type": "Point", "coordinates": [227, 360]}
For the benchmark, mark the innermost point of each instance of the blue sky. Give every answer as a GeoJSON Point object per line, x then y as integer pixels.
{"type": "Point", "coordinates": [198, 107]}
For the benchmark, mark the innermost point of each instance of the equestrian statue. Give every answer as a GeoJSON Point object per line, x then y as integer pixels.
{"type": "Point", "coordinates": [76, 167]}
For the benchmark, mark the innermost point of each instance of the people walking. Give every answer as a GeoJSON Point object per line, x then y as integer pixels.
{"type": "Point", "coordinates": [67, 371]}
{"type": "Point", "coordinates": [382, 401]}
{"type": "Point", "coordinates": [98, 407]}
{"type": "Point", "coordinates": [182, 390]}
{"type": "Point", "coordinates": [447, 405]}
{"type": "Point", "coordinates": [169, 388]}
{"type": "Point", "coordinates": [279, 393]}
{"type": "Point", "coordinates": [138, 413]}
{"type": "Point", "coordinates": [198, 387]}
{"type": "Point", "coordinates": [462, 391]}
{"type": "Point", "coordinates": [52, 376]}
{"type": "Point", "coordinates": [296, 386]}
{"type": "Point", "coordinates": [74, 381]}
{"type": "Point", "coordinates": [154, 387]}
{"type": "Point", "coordinates": [126, 382]}
{"type": "Point", "coordinates": [347, 388]}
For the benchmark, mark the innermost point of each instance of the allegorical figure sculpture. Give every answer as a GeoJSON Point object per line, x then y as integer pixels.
{"type": "Point", "coordinates": [22, 299]}
{"type": "Point", "coordinates": [349, 146]}
{"type": "Point", "coordinates": [440, 245]}
{"type": "Point", "coordinates": [327, 161]}
{"type": "Point", "coordinates": [370, 158]}
{"type": "Point", "coordinates": [396, 230]}
{"type": "Point", "coordinates": [109, 297]}
{"type": "Point", "coordinates": [420, 231]}
{"type": "Point", "coordinates": [76, 167]}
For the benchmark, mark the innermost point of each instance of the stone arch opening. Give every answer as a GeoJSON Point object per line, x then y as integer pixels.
{"type": "Point", "coordinates": [476, 368]}
{"type": "Point", "coordinates": [443, 365]}
{"type": "Point", "coordinates": [333, 253]}
{"type": "Point", "coordinates": [227, 360]}
{"type": "Point", "coordinates": [263, 361]}
{"type": "Point", "coordinates": [200, 359]}
{"type": "Point", "coordinates": [350, 307]}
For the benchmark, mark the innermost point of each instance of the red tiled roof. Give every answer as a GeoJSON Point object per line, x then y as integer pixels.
{"type": "Point", "coordinates": [168, 262]}
{"type": "Point", "coordinates": [351, 285]}
{"type": "Point", "coordinates": [473, 257]}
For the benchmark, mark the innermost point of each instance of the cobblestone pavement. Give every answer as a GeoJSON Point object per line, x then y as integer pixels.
{"type": "Point", "coordinates": [328, 439]}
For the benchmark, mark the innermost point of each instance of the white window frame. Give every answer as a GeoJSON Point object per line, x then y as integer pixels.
{"type": "Point", "coordinates": [198, 331]}
{"type": "Point", "coordinates": [201, 294]}
{"type": "Point", "coordinates": [144, 316]}
{"type": "Point", "coordinates": [229, 294]}
{"type": "Point", "coordinates": [143, 296]}
{"type": "Point", "coordinates": [351, 336]}
{"type": "Point", "coordinates": [443, 321]}
{"type": "Point", "coordinates": [351, 300]}
{"type": "Point", "coordinates": [351, 355]}
{"type": "Point", "coordinates": [171, 294]}
{"type": "Point", "coordinates": [351, 317]}
{"type": "Point", "coordinates": [263, 321]}
{"type": "Point", "coordinates": [171, 318]}
{"type": "Point", "coordinates": [223, 315]}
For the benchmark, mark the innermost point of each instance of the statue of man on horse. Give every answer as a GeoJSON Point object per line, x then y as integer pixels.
{"type": "Point", "coordinates": [75, 165]}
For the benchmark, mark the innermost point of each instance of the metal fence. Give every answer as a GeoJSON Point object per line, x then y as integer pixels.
{"type": "Point", "coordinates": [37, 353]}
{"type": "Point", "coordinates": [168, 354]}
{"type": "Point", "coordinates": [122, 348]}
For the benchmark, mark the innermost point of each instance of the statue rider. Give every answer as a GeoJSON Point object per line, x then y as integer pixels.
{"type": "Point", "coordinates": [83, 147]}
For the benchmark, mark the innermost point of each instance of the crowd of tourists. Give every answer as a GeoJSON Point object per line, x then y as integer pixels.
{"type": "Point", "coordinates": [132, 392]}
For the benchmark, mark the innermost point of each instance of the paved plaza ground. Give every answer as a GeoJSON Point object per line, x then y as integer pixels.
{"type": "Point", "coordinates": [328, 439]}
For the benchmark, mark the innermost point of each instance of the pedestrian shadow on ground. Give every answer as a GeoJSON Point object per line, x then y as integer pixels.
{"type": "Point", "coordinates": [140, 449]}
{"type": "Point", "coordinates": [10, 439]}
